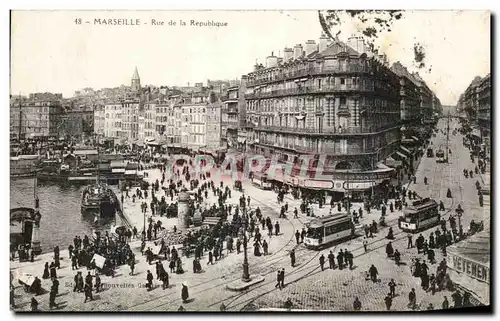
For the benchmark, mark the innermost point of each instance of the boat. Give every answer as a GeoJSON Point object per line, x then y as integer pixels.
{"type": "Point", "coordinates": [99, 198]}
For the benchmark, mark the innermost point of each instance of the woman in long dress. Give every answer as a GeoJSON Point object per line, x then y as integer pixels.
{"type": "Point", "coordinates": [46, 273]}
{"type": "Point", "coordinates": [184, 292]}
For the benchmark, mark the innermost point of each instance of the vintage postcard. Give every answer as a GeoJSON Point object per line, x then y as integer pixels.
{"type": "Point", "coordinates": [255, 161]}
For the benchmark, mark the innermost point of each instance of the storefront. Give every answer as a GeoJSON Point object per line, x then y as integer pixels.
{"type": "Point", "coordinates": [469, 262]}
{"type": "Point", "coordinates": [357, 183]}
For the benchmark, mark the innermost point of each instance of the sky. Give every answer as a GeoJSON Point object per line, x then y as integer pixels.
{"type": "Point", "coordinates": [50, 52]}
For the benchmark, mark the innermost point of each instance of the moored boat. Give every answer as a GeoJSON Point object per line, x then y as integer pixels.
{"type": "Point", "coordinates": [101, 199]}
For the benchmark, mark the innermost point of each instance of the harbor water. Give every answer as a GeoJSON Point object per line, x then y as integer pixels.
{"type": "Point", "coordinates": [62, 219]}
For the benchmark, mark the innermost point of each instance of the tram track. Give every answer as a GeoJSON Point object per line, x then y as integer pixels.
{"type": "Point", "coordinates": [370, 245]}
{"type": "Point", "coordinates": [276, 257]}
{"type": "Point", "coordinates": [271, 259]}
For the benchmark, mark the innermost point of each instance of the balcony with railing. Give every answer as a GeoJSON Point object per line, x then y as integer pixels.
{"type": "Point", "coordinates": [325, 70]}
{"type": "Point", "coordinates": [329, 131]}
{"type": "Point", "coordinates": [313, 90]}
{"type": "Point", "coordinates": [324, 149]}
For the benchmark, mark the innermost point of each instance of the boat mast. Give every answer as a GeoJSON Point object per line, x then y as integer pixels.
{"type": "Point", "coordinates": [98, 161]}
{"type": "Point", "coordinates": [20, 118]}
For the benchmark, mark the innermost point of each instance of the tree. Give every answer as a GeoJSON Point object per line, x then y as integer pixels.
{"type": "Point", "coordinates": [373, 24]}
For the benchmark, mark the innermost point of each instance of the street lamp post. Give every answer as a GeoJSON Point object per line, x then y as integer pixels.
{"type": "Point", "coordinates": [246, 273]}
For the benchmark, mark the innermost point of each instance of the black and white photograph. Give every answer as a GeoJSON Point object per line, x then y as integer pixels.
{"type": "Point", "coordinates": [250, 161]}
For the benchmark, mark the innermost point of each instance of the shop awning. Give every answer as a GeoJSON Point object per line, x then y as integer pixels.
{"type": "Point", "coordinates": [406, 150]}
{"type": "Point", "coordinates": [400, 155]}
{"type": "Point", "coordinates": [391, 162]}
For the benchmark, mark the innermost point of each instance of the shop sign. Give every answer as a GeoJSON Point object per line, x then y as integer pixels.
{"type": "Point", "coordinates": [318, 184]}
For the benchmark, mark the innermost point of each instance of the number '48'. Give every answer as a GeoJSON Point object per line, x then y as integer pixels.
{"type": "Point", "coordinates": [78, 21]}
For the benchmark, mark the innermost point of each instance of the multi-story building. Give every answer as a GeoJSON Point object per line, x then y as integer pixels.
{"type": "Point", "coordinates": [470, 100]}
{"type": "Point", "coordinates": [475, 103]}
{"type": "Point", "coordinates": [149, 121]}
{"type": "Point", "coordinates": [35, 118]}
{"type": "Point", "coordinates": [335, 102]}
{"type": "Point", "coordinates": [426, 98]}
{"type": "Point", "coordinates": [76, 123]}
{"type": "Point", "coordinates": [196, 124]}
{"type": "Point", "coordinates": [410, 95]}
{"type": "Point", "coordinates": [213, 126]}
{"type": "Point", "coordinates": [484, 106]}
{"type": "Point", "coordinates": [100, 120]}
{"type": "Point", "coordinates": [130, 120]}
{"type": "Point", "coordinates": [230, 117]}
{"type": "Point", "coordinates": [113, 120]}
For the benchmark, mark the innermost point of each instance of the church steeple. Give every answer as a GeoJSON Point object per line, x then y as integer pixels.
{"type": "Point", "coordinates": [136, 81]}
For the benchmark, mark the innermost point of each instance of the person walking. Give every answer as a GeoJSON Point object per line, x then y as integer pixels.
{"type": "Point", "coordinates": [282, 277]}
{"type": "Point", "coordinates": [410, 241]}
{"type": "Point", "coordinates": [292, 257]}
{"type": "Point", "coordinates": [412, 298]}
{"type": "Point", "coordinates": [322, 262]}
{"type": "Point", "coordinates": [149, 278]}
{"type": "Point", "coordinates": [278, 280]}
{"type": "Point", "coordinates": [365, 244]}
{"type": "Point", "coordinates": [388, 301]}
{"type": "Point", "coordinates": [297, 237]}
{"type": "Point", "coordinates": [357, 304]}
{"type": "Point", "coordinates": [373, 273]}
{"type": "Point", "coordinates": [392, 288]}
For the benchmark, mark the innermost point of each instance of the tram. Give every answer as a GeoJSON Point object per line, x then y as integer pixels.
{"type": "Point", "coordinates": [440, 157]}
{"type": "Point", "coordinates": [421, 215]}
{"type": "Point", "coordinates": [260, 180]}
{"type": "Point", "coordinates": [328, 229]}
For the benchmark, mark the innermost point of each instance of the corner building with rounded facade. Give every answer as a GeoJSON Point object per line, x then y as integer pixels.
{"type": "Point", "coordinates": [337, 103]}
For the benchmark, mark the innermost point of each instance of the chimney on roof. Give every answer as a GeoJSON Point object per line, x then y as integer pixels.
{"type": "Point", "coordinates": [310, 47]}
{"type": "Point", "coordinates": [271, 61]}
{"type": "Point", "coordinates": [297, 51]}
{"type": "Point", "coordinates": [323, 42]}
{"type": "Point", "coordinates": [287, 54]}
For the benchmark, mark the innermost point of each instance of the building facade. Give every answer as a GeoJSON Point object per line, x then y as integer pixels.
{"type": "Point", "coordinates": [78, 124]}
{"type": "Point", "coordinates": [113, 120]}
{"type": "Point", "coordinates": [327, 100]}
{"type": "Point", "coordinates": [230, 117]}
{"type": "Point", "coordinates": [100, 120]}
{"type": "Point", "coordinates": [130, 120]}
{"type": "Point", "coordinates": [484, 106]}
{"type": "Point", "coordinates": [35, 118]}
{"type": "Point", "coordinates": [213, 126]}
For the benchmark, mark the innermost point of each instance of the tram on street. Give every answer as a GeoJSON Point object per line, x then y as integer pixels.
{"type": "Point", "coordinates": [440, 157]}
{"type": "Point", "coordinates": [421, 215]}
{"type": "Point", "coordinates": [328, 229]}
{"type": "Point", "coordinates": [261, 180]}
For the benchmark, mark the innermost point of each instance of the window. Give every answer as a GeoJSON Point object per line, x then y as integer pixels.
{"type": "Point", "coordinates": [343, 102]}
{"type": "Point", "coordinates": [342, 81]}
{"type": "Point", "coordinates": [343, 146]}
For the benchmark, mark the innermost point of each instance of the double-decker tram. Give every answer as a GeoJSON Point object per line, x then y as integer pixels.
{"type": "Point", "coordinates": [260, 180]}
{"type": "Point", "coordinates": [421, 215]}
{"type": "Point", "coordinates": [328, 229]}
